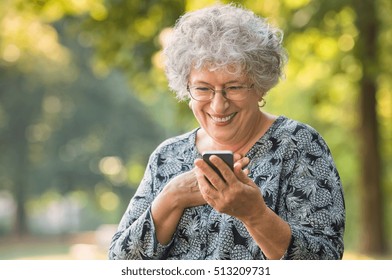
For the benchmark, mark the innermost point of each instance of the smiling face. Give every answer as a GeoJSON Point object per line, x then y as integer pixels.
{"type": "Point", "coordinates": [227, 123]}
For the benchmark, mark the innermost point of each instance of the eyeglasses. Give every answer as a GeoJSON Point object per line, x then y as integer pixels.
{"type": "Point", "coordinates": [234, 93]}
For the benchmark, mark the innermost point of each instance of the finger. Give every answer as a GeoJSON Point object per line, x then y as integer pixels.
{"type": "Point", "coordinates": [208, 174]}
{"type": "Point", "coordinates": [225, 170]}
{"type": "Point", "coordinates": [202, 181]}
{"type": "Point", "coordinates": [246, 171]}
{"type": "Point", "coordinates": [237, 157]}
{"type": "Point", "coordinates": [244, 161]}
{"type": "Point", "coordinates": [241, 174]}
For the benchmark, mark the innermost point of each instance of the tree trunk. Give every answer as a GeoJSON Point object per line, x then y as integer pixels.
{"type": "Point", "coordinates": [20, 228]}
{"type": "Point", "coordinates": [20, 180]}
{"type": "Point", "coordinates": [372, 230]}
{"type": "Point", "coordinates": [20, 173]}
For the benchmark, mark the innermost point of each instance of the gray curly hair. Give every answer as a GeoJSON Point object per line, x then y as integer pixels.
{"type": "Point", "coordinates": [220, 37]}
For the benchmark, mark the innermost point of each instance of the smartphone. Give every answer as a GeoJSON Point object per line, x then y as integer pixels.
{"type": "Point", "coordinates": [226, 156]}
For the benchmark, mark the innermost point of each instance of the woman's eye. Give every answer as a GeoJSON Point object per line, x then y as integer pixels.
{"type": "Point", "coordinates": [202, 89]}
{"type": "Point", "coordinates": [234, 88]}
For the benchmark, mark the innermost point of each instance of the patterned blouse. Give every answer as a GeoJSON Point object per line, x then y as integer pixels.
{"type": "Point", "coordinates": [296, 174]}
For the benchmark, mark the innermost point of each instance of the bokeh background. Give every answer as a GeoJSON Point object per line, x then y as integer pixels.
{"type": "Point", "coordinates": [84, 101]}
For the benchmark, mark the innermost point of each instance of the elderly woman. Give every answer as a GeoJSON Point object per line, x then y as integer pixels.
{"type": "Point", "coordinates": [283, 198]}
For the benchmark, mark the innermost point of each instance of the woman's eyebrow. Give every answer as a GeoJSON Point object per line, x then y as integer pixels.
{"type": "Point", "coordinates": [225, 83]}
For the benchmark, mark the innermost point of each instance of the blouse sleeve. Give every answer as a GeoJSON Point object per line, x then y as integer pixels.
{"type": "Point", "coordinates": [135, 237]}
{"type": "Point", "coordinates": [314, 202]}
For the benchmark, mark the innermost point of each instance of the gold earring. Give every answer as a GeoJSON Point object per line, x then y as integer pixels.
{"type": "Point", "coordinates": [263, 102]}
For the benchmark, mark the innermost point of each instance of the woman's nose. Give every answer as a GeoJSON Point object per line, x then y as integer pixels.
{"type": "Point", "coordinates": [219, 103]}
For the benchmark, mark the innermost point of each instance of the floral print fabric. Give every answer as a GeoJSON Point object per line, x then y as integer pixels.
{"type": "Point", "coordinates": [294, 169]}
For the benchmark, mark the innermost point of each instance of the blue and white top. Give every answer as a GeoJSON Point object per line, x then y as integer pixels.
{"type": "Point", "coordinates": [294, 169]}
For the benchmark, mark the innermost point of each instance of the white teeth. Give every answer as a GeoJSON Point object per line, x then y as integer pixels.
{"type": "Point", "coordinates": [222, 119]}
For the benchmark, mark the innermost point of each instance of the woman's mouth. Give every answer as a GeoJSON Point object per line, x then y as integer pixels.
{"type": "Point", "coordinates": [222, 120]}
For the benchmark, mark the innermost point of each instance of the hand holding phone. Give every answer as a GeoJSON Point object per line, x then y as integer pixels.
{"type": "Point", "coordinates": [226, 156]}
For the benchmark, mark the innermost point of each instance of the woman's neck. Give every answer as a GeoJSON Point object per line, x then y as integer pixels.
{"type": "Point", "coordinates": [205, 142]}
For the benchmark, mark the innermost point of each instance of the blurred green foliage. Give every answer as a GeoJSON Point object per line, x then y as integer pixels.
{"type": "Point", "coordinates": [84, 100]}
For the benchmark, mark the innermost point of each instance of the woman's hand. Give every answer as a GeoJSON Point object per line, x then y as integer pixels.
{"type": "Point", "coordinates": [184, 191]}
{"type": "Point", "coordinates": [167, 208]}
{"type": "Point", "coordinates": [235, 194]}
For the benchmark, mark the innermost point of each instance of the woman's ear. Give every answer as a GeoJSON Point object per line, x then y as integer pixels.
{"type": "Point", "coordinates": [190, 104]}
{"type": "Point", "coordinates": [261, 96]}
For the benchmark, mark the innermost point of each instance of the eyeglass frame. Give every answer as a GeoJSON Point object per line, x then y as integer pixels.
{"type": "Point", "coordinates": [213, 91]}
